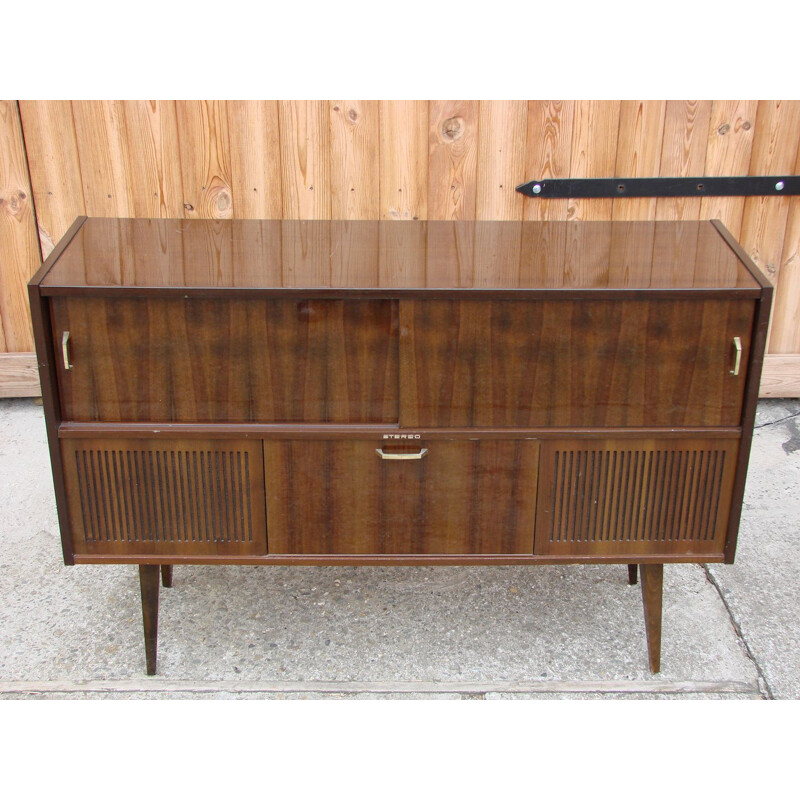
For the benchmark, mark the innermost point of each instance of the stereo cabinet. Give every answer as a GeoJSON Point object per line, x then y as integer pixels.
{"type": "Point", "coordinates": [399, 392]}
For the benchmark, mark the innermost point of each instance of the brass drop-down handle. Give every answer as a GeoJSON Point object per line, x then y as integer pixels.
{"type": "Point", "coordinates": [65, 349]}
{"type": "Point", "coordinates": [737, 362]}
{"type": "Point", "coordinates": [401, 456]}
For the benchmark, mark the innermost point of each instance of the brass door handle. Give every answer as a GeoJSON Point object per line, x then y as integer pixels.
{"type": "Point", "coordinates": [402, 456]}
{"type": "Point", "coordinates": [65, 349]}
{"type": "Point", "coordinates": [737, 360]}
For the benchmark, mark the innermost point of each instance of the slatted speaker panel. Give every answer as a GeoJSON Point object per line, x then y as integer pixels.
{"type": "Point", "coordinates": [658, 497]}
{"type": "Point", "coordinates": [157, 497]}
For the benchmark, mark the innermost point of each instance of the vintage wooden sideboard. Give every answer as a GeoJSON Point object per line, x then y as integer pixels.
{"type": "Point", "coordinates": [399, 392]}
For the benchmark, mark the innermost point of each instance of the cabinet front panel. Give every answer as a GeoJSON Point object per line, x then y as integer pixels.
{"type": "Point", "coordinates": [589, 363]}
{"type": "Point", "coordinates": [342, 497]}
{"type": "Point", "coordinates": [165, 497]}
{"type": "Point", "coordinates": [219, 360]}
{"type": "Point", "coordinates": [624, 497]}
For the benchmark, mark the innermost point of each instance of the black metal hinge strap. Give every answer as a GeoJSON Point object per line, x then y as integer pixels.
{"type": "Point", "coordinates": [766, 185]}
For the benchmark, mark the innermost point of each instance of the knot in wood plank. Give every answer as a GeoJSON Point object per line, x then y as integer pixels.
{"type": "Point", "coordinates": [453, 129]}
{"type": "Point", "coordinates": [13, 202]}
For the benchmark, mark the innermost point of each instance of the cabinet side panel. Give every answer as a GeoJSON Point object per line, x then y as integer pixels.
{"type": "Point", "coordinates": [623, 497]}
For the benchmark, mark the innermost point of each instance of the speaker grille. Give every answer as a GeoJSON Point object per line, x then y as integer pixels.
{"type": "Point", "coordinates": [152, 495]}
{"type": "Point", "coordinates": [666, 499]}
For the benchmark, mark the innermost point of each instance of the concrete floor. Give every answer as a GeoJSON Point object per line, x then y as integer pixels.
{"type": "Point", "coordinates": [730, 632]}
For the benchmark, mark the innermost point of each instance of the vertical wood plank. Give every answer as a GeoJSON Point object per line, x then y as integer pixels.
{"type": "Point", "coordinates": [730, 142]}
{"type": "Point", "coordinates": [355, 159]}
{"type": "Point", "coordinates": [49, 130]}
{"type": "Point", "coordinates": [775, 144]}
{"type": "Point", "coordinates": [305, 159]}
{"type": "Point", "coordinates": [103, 154]}
{"type": "Point", "coordinates": [255, 159]}
{"type": "Point", "coordinates": [639, 145]}
{"type": "Point", "coordinates": [501, 158]}
{"type": "Point", "coordinates": [594, 152]}
{"type": "Point", "coordinates": [785, 333]}
{"type": "Point", "coordinates": [404, 159]}
{"type": "Point", "coordinates": [204, 144]}
{"type": "Point", "coordinates": [548, 153]}
{"type": "Point", "coordinates": [452, 159]}
{"type": "Point", "coordinates": [154, 172]}
{"type": "Point", "coordinates": [683, 154]}
{"type": "Point", "coordinates": [403, 187]}
{"type": "Point", "coordinates": [19, 250]}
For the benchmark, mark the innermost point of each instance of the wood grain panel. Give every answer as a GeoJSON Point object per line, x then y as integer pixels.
{"type": "Point", "coordinates": [55, 169]}
{"type": "Point", "coordinates": [402, 258]}
{"type": "Point", "coordinates": [284, 361]}
{"type": "Point", "coordinates": [355, 159]}
{"type": "Point", "coordinates": [639, 145]}
{"type": "Point", "coordinates": [153, 152]}
{"type": "Point", "coordinates": [305, 159]}
{"type": "Point", "coordinates": [501, 159]}
{"type": "Point", "coordinates": [205, 158]}
{"type": "Point", "coordinates": [341, 498]}
{"type": "Point", "coordinates": [404, 159]}
{"type": "Point", "coordinates": [305, 254]}
{"type": "Point", "coordinates": [622, 498]}
{"type": "Point", "coordinates": [776, 144]}
{"type": "Point", "coordinates": [730, 143]}
{"type": "Point", "coordinates": [683, 153]}
{"type": "Point", "coordinates": [785, 331]}
{"type": "Point", "coordinates": [549, 152]}
{"type": "Point", "coordinates": [19, 376]}
{"type": "Point", "coordinates": [452, 159]}
{"type": "Point", "coordinates": [595, 131]}
{"type": "Point", "coordinates": [101, 137]}
{"type": "Point", "coordinates": [776, 138]}
{"type": "Point", "coordinates": [254, 134]}
{"type": "Point", "coordinates": [781, 376]}
{"type": "Point", "coordinates": [464, 363]}
{"type": "Point", "coordinates": [19, 248]}
{"type": "Point", "coordinates": [165, 497]}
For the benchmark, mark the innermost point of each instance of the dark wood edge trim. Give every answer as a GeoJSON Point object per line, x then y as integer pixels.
{"type": "Point", "coordinates": [56, 252]}
{"type": "Point", "coordinates": [399, 561]}
{"type": "Point", "coordinates": [140, 430]}
{"type": "Point", "coordinates": [48, 380]}
{"type": "Point", "coordinates": [751, 266]}
{"type": "Point", "coordinates": [758, 344]}
{"type": "Point", "coordinates": [366, 293]}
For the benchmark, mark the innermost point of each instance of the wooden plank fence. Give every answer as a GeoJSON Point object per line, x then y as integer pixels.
{"type": "Point", "coordinates": [366, 159]}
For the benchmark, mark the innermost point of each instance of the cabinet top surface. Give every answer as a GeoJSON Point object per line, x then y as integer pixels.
{"type": "Point", "coordinates": [402, 255]}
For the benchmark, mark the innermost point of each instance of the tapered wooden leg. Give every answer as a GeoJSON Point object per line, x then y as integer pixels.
{"type": "Point", "coordinates": [652, 585]}
{"type": "Point", "coordinates": [633, 574]}
{"type": "Point", "coordinates": [148, 581]}
{"type": "Point", "coordinates": [166, 575]}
